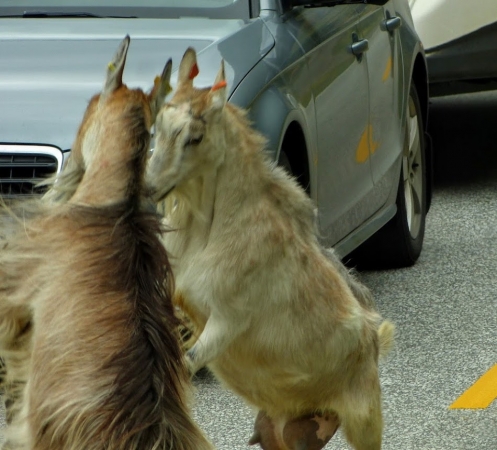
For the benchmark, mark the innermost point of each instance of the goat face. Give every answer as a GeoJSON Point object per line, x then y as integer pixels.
{"type": "Point", "coordinates": [190, 132]}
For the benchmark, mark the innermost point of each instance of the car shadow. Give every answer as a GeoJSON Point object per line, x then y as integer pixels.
{"type": "Point", "coordinates": [463, 129]}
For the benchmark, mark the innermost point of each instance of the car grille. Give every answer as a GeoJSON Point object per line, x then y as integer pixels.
{"type": "Point", "coordinates": [22, 167]}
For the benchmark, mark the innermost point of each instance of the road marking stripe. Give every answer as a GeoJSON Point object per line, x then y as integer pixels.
{"type": "Point", "coordinates": [481, 394]}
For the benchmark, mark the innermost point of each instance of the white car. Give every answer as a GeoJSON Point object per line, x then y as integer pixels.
{"type": "Point", "coordinates": [460, 40]}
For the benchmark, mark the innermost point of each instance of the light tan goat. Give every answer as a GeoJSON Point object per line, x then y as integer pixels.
{"type": "Point", "coordinates": [86, 321]}
{"type": "Point", "coordinates": [278, 322]}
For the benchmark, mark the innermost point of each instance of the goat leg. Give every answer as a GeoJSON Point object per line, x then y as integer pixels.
{"type": "Point", "coordinates": [308, 432]}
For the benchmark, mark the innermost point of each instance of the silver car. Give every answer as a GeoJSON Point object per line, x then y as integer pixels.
{"type": "Point", "coordinates": [338, 87]}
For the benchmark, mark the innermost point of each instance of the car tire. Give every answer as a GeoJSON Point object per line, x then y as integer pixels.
{"type": "Point", "coordinates": [399, 243]}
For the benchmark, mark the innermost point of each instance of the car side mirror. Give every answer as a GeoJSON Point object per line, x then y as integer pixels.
{"type": "Point", "coordinates": [317, 3]}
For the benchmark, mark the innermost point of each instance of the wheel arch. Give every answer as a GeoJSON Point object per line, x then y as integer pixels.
{"type": "Point", "coordinates": [294, 146]}
{"type": "Point", "coordinates": [420, 79]}
{"type": "Point", "coordinates": [280, 120]}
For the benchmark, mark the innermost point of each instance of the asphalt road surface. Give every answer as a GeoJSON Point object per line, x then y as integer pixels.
{"type": "Point", "coordinates": [445, 307]}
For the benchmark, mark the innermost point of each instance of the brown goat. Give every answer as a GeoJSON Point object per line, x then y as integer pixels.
{"type": "Point", "coordinates": [87, 328]}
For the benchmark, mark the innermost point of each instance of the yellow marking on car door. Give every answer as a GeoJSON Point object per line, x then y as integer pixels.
{"type": "Point", "coordinates": [388, 70]}
{"type": "Point", "coordinates": [481, 394]}
{"type": "Point", "coordinates": [366, 145]}
{"type": "Point", "coordinates": [362, 152]}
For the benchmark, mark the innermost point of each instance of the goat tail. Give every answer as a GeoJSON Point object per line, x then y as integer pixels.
{"type": "Point", "coordinates": [386, 334]}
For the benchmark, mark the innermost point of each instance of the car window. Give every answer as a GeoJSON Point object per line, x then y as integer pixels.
{"type": "Point", "coordinates": [236, 9]}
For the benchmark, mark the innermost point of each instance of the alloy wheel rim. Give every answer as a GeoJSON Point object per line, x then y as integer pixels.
{"type": "Point", "coordinates": [413, 171]}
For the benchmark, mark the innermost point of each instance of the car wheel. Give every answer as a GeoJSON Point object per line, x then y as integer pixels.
{"type": "Point", "coordinates": [399, 242]}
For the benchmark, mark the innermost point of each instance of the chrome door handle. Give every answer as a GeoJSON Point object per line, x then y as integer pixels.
{"type": "Point", "coordinates": [358, 47]}
{"type": "Point", "coordinates": [392, 24]}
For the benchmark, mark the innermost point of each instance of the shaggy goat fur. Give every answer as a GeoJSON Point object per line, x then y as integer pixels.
{"type": "Point", "coordinates": [87, 328]}
{"type": "Point", "coordinates": [277, 317]}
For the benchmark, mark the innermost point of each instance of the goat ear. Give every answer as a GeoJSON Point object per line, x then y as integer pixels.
{"type": "Point", "coordinates": [161, 89]}
{"type": "Point", "coordinates": [218, 92]}
{"type": "Point", "coordinates": [188, 68]}
{"type": "Point", "coordinates": [115, 68]}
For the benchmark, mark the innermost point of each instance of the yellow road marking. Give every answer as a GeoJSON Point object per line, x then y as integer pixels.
{"type": "Point", "coordinates": [481, 394]}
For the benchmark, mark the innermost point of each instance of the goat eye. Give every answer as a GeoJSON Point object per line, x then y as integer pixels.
{"type": "Point", "coordinates": [195, 140]}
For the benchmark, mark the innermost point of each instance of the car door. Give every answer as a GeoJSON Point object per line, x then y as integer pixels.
{"type": "Point", "coordinates": [379, 26]}
{"type": "Point", "coordinates": [339, 83]}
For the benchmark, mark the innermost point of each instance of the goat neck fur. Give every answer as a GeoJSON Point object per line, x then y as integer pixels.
{"type": "Point", "coordinates": [86, 320]}
{"type": "Point", "coordinates": [278, 322]}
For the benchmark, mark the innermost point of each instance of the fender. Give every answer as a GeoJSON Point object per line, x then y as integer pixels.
{"type": "Point", "coordinates": [272, 112]}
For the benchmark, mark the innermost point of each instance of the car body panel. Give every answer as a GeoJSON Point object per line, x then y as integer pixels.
{"type": "Point", "coordinates": [342, 163]}
{"type": "Point", "coordinates": [385, 63]}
